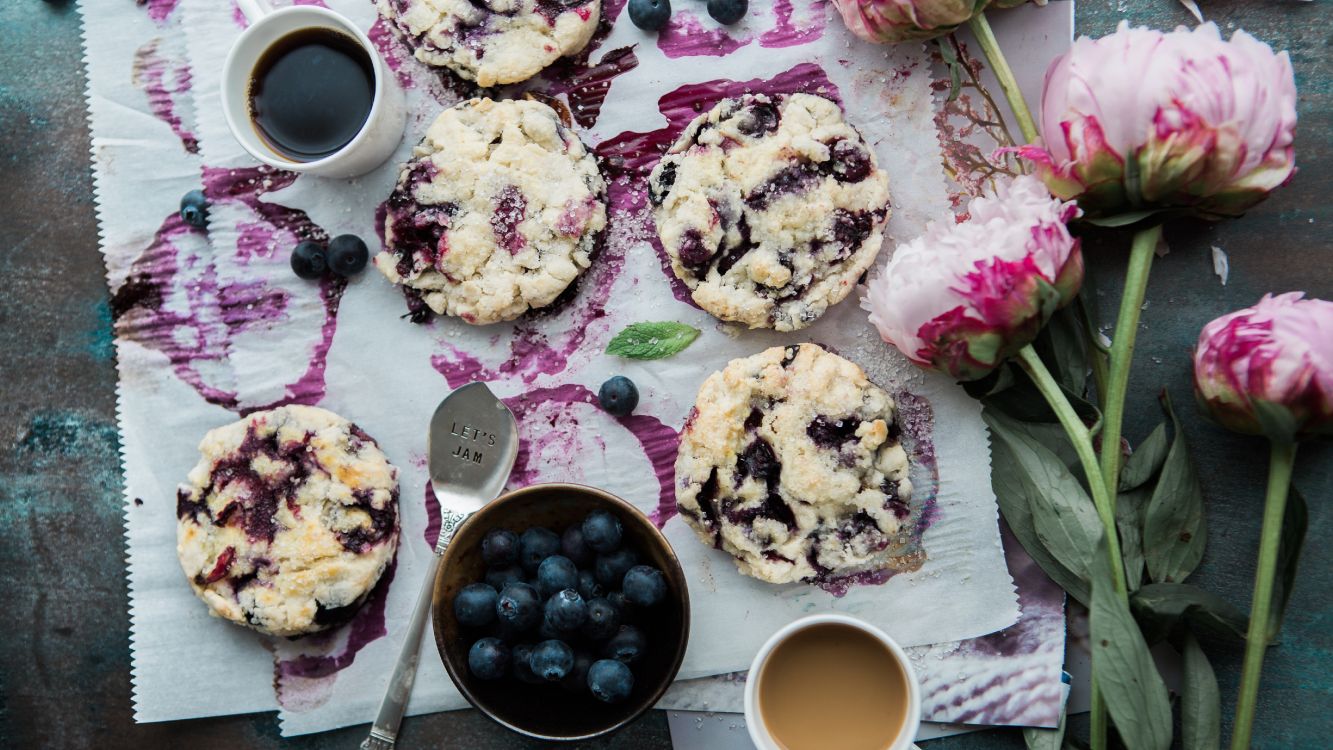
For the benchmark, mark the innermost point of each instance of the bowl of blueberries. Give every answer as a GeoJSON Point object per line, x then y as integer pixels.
{"type": "Point", "coordinates": [561, 612]}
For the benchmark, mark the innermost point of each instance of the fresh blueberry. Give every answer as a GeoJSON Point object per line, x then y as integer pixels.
{"type": "Point", "coordinates": [194, 208]}
{"type": "Point", "coordinates": [547, 632]}
{"type": "Point", "coordinates": [602, 620]}
{"type": "Point", "coordinates": [566, 611]}
{"type": "Point", "coordinates": [627, 645]}
{"type": "Point", "coordinates": [500, 575]}
{"type": "Point", "coordinates": [602, 531]}
{"type": "Point", "coordinates": [611, 567]}
{"type": "Point", "coordinates": [556, 573]}
{"type": "Point", "coordinates": [589, 588]}
{"type": "Point", "coordinates": [474, 606]}
{"type": "Point", "coordinates": [309, 260]}
{"type": "Point", "coordinates": [610, 680]}
{"type": "Point", "coordinates": [727, 12]}
{"type": "Point", "coordinates": [519, 606]}
{"type": "Point", "coordinates": [552, 660]}
{"type": "Point", "coordinates": [573, 546]}
{"type": "Point", "coordinates": [577, 679]}
{"type": "Point", "coordinates": [617, 599]}
{"type": "Point", "coordinates": [536, 544]}
{"type": "Point", "coordinates": [644, 585]}
{"type": "Point", "coordinates": [522, 664]}
{"type": "Point", "coordinates": [499, 547]}
{"type": "Point", "coordinates": [348, 255]}
{"type": "Point", "coordinates": [618, 396]}
{"type": "Point", "coordinates": [649, 15]}
{"type": "Point", "coordinates": [488, 659]}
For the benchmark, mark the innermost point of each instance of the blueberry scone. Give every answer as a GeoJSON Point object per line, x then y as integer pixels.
{"type": "Point", "coordinates": [498, 212]}
{"type": "Point", "coordinates": [288, 520]}
{"type": "Point", "coordinates": [771, 208]}
{"type": "Point", "coordinates": [791, 463]}
{"type": "Point", "coordinates": [493, 41]}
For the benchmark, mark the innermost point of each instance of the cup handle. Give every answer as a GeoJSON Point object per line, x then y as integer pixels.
{"type": "Point", "coordinates": [254, 9]}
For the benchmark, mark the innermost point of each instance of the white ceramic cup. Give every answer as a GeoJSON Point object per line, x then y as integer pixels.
{"type": "Point", "coordinates": [380, 133]}
{"type": "Point", "coordinates": [754, 720]}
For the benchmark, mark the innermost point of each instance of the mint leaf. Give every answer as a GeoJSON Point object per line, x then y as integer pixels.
{"type": "Point", "coordinates": [652, 340]}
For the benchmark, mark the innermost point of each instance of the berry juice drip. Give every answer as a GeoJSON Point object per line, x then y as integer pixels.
{"type": "Point", "coordinates": [311, 93]}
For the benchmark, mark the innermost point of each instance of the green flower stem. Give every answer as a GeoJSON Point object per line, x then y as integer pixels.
{"type": "Point", "coordinates": [1122, 352]}
{"type": "Point", "coordinates": [1004, 74]}
{"type": "Point", "coordinates": [1281, 458]}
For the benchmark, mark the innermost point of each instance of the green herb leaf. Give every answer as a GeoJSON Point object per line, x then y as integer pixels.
{"type": "Point", "coordinates": [1174, 530]}
{"type": "Point", "coordinates": [1135, 695]}
{"type": "Point", "coordinates": [1129, 508]}
{"type": "Point", "coordinates": [1146, 460]}
{"type": "Point", "coordinates": [1159, 607]}
{"type": "Point", "coordinates": [1294, 523]}
{"type": "Point", "coordinates": [1200, 704]}
{"type": "Point", "coordinates": [652, 340]}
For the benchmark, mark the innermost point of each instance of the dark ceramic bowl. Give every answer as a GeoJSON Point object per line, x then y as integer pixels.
{"type": "Point", "coordinates": [547, 712]}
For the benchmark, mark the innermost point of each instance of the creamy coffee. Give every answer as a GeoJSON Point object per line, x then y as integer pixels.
{"type": "Point", "coordinates": [832, 687]}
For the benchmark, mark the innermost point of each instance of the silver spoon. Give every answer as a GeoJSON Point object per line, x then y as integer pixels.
{"type": "Point", "coordinates": [473, 442]}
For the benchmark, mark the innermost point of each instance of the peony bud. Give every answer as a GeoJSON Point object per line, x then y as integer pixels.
{"type": "Point", "coordinates": [905, 20]}
{"type": "Point", "coordinates": [964, 297]}
{"type": "Point", "coordinates": [1268, 369]}
{"type": "Point", "coordinates": [1141, 119]}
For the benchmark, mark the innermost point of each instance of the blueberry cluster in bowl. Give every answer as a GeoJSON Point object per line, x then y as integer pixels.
{"type": "Point", "coordinates": [561, 609]}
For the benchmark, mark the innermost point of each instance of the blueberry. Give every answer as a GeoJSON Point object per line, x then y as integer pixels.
{"type": "Point", "coordinates": [573, 546]}
{"type": "Point", "coordinates": [644, 585]}
{"type": "Point", "coordinates": [552, 660]}
{"type": "Point", "coordinates": [602, 620]}
{"type": "Point", "coordinates": [500, 575]}
{"type": "Point", "coordinates": [610, 680]}
{"type": "Point", "coordinates": [499, 547]}
{"type": "Point", "coordinates": [649, 15]}
{"type": "Point", "coordinates": [347, 255]}
{"type": "Point", "coordinates": [474, 606]}
{"type": "Point", "coordinates": [627, 645]}
{"type": "Point", "coordinates": [727, 12]}
{"type": "Point", "coordinates": [577, 679]}
{"type": "Point", "coordinates": [536, 544]}
{"type": "Point", "coordinates": [488, 659]}
{"type": "Point", "coordinates": [548, 632]}
{"type": "Point", "coordinates": [611, 567]}
{"type": "Point", "coordinates": [566, 611]}
{"type": "Point", "coordinates": [194, 208]}
{"type": "Point", "coordinates": [602, 531]}
{"type": "Point", "coordinates": [519, 606]}
{"type": "Point", "coordinates": [308, 260]}
{"type": "Point", "coordinates": [589, 588]}
{"type": "Point", "coordinates": [522, 664]}
{"type": "Point", "coordinates": [556, 573]}
{"type": "Point", "coordinates": [617, 598]}
{"type": "Point", "coordinates": [618, 396]}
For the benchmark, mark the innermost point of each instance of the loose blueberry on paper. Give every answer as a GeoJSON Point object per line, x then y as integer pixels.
{"type": "Point", "coordinates": [347, 255]}
{"type": "Point", "coordinates": [727, 12]}
{"type": "Point", "coordinates": [649, 15]}
{"type": "Point", "coordinates": [618, 396]}
{"type": "Point", "coordinates": [309, 260]}
{"type": "Point", "coordinates": [194, 209]}
{"type": "Point", "coordinates": [561, 609]}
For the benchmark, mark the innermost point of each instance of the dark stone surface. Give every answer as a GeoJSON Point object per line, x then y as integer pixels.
{"type": "Point", "coordinates": [64, 668]}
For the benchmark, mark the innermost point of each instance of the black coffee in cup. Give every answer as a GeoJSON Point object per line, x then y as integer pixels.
{"type": "Point", "coordinates": [311, 92]}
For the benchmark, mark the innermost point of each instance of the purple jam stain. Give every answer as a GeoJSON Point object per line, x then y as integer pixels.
{"type": "Point", "coordinates": [786, 33]}
{"type": "Point", "coordinates": [158, 10]}
{"type": "Point", "coordinates": [658, 441]}
{"type": "Point", "coordinates": [685, 36]}
{"type": "Point", "coordinates": [162, 80]}
{"type": "Point", "coordinates": [365, 627]}
{"type": "Point", "coordinates": [238, 17]}
{"type": "Point", "coordinates": [629, 157]}
{"type": "Point", "coordinates": [392, 49]}
{"type": "Point", "coordinates": [585, 84]}
{"type": "Point", "coordinates": [432, 517]}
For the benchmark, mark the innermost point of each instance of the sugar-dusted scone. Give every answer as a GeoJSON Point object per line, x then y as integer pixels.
{"type": "Point", "coordinates": [493, 41]}
{"type": "Point", "coordinates": [791, 463]}
{"type": "Point", "coordinates": [498, 212]}
{"type": "Point", "coordinates": [771, 208]}
{"type": "Point", "coordinates": [288, 520]}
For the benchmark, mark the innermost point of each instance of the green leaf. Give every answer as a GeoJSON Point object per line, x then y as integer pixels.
{"type": "Point", "coordinates": [652, 340]}
{"type": "Point", "coordinates": [1159, 607]}
{"type": "Point", "coordinates": [1200, 704]}
{"type": "Point", "coordinates": [1046, 739]}
{"type": "Point", "coordinates": [1060, 511]}
{"type": "Point", "coordinates": [1010, 390]}
{"type": "Point", "coordinates": [1294, 524]}
{"type": "Point", "coordinates": [1129, 508]}
{"type": "Point", "coordinates": [1174, 530]}
{"type": "Point", "coordinates": [1135, 695]}
{"type": "Point", "coordinates": [1122, 220]}
{"type": "Point", "coordinates": [1146, 460]}
{"type": "Point", "coordinates": [1062, 347]}
{"type": "Point", "coordinates": [950, 57]}
{"type": "Point", "coordinates": [1013, 487]}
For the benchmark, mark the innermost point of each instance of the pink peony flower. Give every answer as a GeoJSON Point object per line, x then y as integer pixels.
{"type": "Point", "coordinates": [962, 298]}
{"type": "Point", "coordinates": [1268, 369]}
{"type": "Point", "coordinates": [904, 20]}
{"type": "Point", "coordinates": [1141, 119]}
